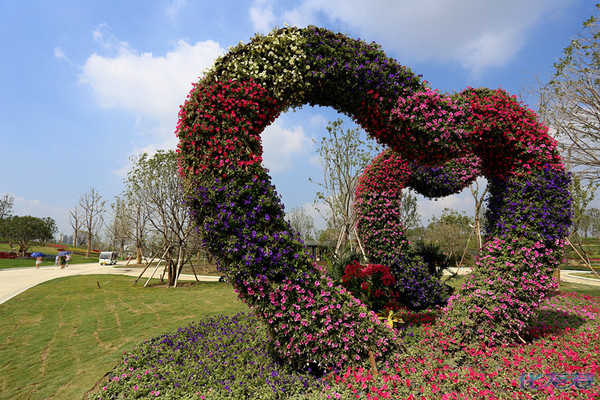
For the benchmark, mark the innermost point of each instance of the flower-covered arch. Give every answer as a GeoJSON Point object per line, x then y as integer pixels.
{"type": "Point", "coordinates": [379, 221]}
{"type": "Point", "coordinates": [312, 321]}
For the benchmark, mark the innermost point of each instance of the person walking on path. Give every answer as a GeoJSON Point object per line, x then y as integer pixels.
{"type": "Point", "coordinates": [56, 261]}
{"type": "Point", "coordinates": [63, 261]}
{"type": "Point", "coordinates": [38, 261]}
{"type": "Point", "coordinates": [68, 259]}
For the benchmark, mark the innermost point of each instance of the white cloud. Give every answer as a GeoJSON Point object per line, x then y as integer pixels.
{"type": "Point", "coordinates": [151, 87]}
{"type": "Point", "coordinates": [281, 145]}
{"type": "Point", "coordinates": [145, 84]}
{"type": "Point", "coordinates": [262, 15]}
{"type": "Point", "coordinates": [174, 7]}
{"type": "Point", "coordinates": [472, 33]}
{"type": "Point", "coordinates": [59, 54]}
{"type": "Point", "coordinates": [318, 121]}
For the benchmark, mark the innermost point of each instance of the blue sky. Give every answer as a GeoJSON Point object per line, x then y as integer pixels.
{"type": "Point", "coordinates": [85, 85]}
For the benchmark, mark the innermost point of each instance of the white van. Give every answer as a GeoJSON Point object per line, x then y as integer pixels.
{"type": "Point", "coordinates": [108, 257]}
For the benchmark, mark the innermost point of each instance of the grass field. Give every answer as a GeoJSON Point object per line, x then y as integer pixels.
{"type": "Point", "coordinates": [59, 338]}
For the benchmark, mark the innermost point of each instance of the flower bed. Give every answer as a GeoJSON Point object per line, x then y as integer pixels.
{"type": "Point", "coordinates": [230, 358]}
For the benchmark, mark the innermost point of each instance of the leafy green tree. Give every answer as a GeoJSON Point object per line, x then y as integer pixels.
{"type": "Point", "coordinates": [450, 231]}
{"type": "Point", "coordinates": [25, 230]}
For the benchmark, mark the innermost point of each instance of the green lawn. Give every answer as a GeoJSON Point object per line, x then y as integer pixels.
{"type": "Point", "coordinates": [59, 338]}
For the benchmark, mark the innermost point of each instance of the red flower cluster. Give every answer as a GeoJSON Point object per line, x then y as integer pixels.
{"type": "Point", "coordinates": [220, 126]}
{"type": "Point", "coordinates": [518, 371]}
{"type": "Point", "coordinates": [372, 283]}
{"type": "Point", "coordinates": [507, 136]}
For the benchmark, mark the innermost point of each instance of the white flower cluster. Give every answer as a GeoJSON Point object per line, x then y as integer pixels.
{"type": "Point", "coordinates": [276, 61]}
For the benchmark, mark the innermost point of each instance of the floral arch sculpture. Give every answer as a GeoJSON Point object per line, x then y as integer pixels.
{"type": "Point", "coordinates": [379, 223]}
{"type": "Point", "coordinates": [311, 321]}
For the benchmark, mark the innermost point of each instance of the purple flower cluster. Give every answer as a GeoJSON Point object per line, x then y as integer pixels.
{"type": "Point", "coordinates": [449, 178]}
{"type": "Point", "coordinates": [252, 241]}
{"type": "Point", "coordinates": [335, 58]}
{"type": "Point", "coordinates": [533, 206]}
{"type": "Point", "coordinates": [216, 358]}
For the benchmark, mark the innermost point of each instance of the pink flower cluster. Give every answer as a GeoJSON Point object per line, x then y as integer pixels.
{"type": "Point", "coordinates": [511, 279]}
{"type": "Point", "coordinates": [220, 152]}
{"type": "Point", "coordinates": [433, 124]}
{"type": "Point", "coordinates": [377, 207]}
{"type": "Point", "coordinates": [311, 321]}
{"type": "Point", "coordinates": [490, 372]}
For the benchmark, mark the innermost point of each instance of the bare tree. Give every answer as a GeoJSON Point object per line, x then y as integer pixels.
{"type": "Point", "coordinates": [570, 102]}
{"type": "Point", "coordinates": [343, 156]}
{"type": "Point", "coordinates": [76, 220]}
{"type": "Point", "coordinates": [119, 229]}
{"type": "Point", "coordinates": [93, 209]}
{"type": "Point", "coordinates": [154, 190]}
{"type": "Point", "coordinates": [6, 204]}
{"type": "Point", "coordinates": [408, 210]}
{"type": "Point", "coordinates": [301, 222]}
{"type": "Point", "coordinates": [479, 211]}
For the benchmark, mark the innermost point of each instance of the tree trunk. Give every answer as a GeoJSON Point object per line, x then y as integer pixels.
{"type": "Point", "coordinates": [179, 267]}
{"type": "Point", "coordinates": [138, 255]}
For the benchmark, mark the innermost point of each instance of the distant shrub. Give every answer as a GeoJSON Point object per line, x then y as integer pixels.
{"type": "Point", "coordinates": [8, 254]}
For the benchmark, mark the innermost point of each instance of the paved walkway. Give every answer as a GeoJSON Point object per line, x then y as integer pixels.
{"type": "Point", "coordinates": [16, 280]}
{"type": "Point", "coordinates": [565, 276]}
